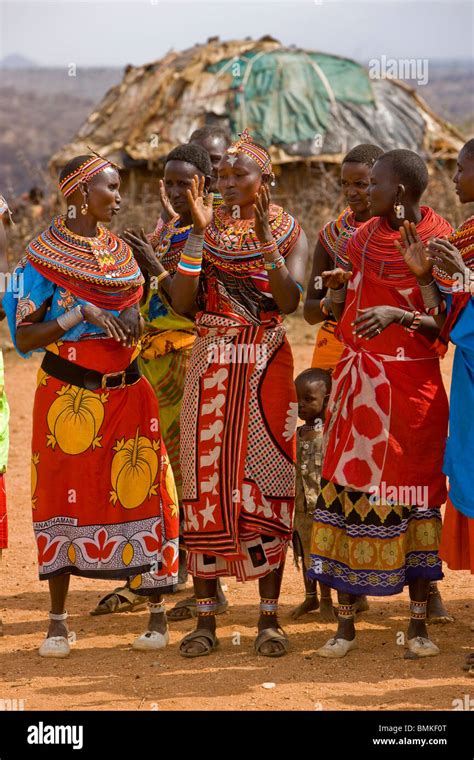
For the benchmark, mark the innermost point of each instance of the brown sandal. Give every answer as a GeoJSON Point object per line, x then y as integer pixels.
{"type": "Point", "coordinates": [121, 599]}
{"type": "Point", "coordinates": [274, 635]}
{"type": "Point", "coordinates": [190, 605]}
{"type": "Point", "coordinates": [208, 639]}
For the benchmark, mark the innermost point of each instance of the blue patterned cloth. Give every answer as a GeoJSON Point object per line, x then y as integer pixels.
{"type": "Point", "coordinates": [28, 290]}
{"type": "Point", "coordinates": [459, 454]}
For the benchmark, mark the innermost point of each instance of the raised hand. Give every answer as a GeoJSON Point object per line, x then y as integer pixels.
{"type": "Point", "coordinates": [261, 210]}
{"type": "Point", "coordinates": [199, 205]}
{"type": "Point", "coordinates": [335, 278]}
{"type": "Point", "coordinates": [413, 250]}
{"type": "Point", "coordinates": [447, 257]}
{"type": "Point", "coordinates": [142, 249]}
{"type": "Point", "coordinates": [169, 214]}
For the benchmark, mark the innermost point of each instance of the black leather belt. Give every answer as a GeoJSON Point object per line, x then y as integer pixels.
{"type": "Point", "coordinates": [83, 377]}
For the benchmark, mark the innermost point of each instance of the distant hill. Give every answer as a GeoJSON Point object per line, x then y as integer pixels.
{"type": "Point", "coordinates": [16, 61]}
{"type": "Point", "coordinates": [450, 92]}
{"type": "Point", "coordinates": [42, 108]}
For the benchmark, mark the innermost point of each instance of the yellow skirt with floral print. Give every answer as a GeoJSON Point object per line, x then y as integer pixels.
{"type": "Point", "coordinates": [365, 545]}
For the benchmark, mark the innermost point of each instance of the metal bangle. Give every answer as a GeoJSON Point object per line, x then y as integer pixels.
{"type": "Point", "coordinates": [194, 245]}
{"type": "Point", "coordinates": [337, 295]}
{"type": "Point", "coordinates": [431, 295]}
{"type": "Point", "coordinates": [70, 319]}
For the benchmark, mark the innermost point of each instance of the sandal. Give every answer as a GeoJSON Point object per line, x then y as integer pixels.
{"type": "Point", "coordinates": [189, 604]}
{"type": "Point", "coordinates": [151, 640]}
{"type": "Point", "coordinates": [336, 648]}
{"type": "Point", "coordinates": [57, 646]}
{"type": "Point", "coordinates": [274, 635]}
{"type": "Point", "coordinates": [208, 639]}
{"type": "Point", "coordinates": [121, 599]}
{"type": "Point", "coordinates": [422, 647]}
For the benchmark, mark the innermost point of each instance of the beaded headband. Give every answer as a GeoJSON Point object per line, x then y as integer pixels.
{"type": "Point", "coordinates": [83, 173]}
{"type": "Point", "coordinates": [246, 145]}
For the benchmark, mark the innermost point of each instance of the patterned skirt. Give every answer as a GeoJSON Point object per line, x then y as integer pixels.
{"type": "Point", "coordinates": [359, 546]}
{"type": "Point", "coordinates": [260, 555]}
{"type": "Point", "coordinates": [103, 495]}
{"type": "Point", "coordinates": [238, 423]}
{"type": "Point", "coordinates": [165, 373]}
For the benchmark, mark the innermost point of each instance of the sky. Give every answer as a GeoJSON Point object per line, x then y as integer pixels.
{"type": "Point", "coordinates": [114, 33]}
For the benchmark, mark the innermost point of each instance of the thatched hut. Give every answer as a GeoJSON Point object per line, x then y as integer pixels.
{"type": "Point", "coordinates": [309, 108]}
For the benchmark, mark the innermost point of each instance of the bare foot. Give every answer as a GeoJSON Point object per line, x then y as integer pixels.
{"type": "Point", "coordinates": [310, 604]}
{"type": "Point", "coordinates": [361, 604]}
{"type": "Point", "coordinates": [436, 612]}
{"type": "Point", "coordinates": [327, 613]}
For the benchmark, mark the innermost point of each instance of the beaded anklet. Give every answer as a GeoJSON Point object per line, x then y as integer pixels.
{"type": "Point", "coordinates": [345, 611]}
{"type": "Point", "coordinates": [268, 606]}
{"type": "Point", "coordinates": [418, 610]}
{"type": "Point", "coordinates": [207, 606]}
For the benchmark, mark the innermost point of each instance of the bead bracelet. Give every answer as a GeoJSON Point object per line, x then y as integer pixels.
{"type": "Point", "coordinates": [270, 266]}
{"type": "Point", "coordinates": [415, 323]}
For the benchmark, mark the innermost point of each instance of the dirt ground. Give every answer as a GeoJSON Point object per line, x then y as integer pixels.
{"type": "Point", "coordinates": [103, 672]}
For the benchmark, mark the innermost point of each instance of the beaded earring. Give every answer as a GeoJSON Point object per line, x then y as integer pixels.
{"type": "Point", "coordinates": [85, 206]}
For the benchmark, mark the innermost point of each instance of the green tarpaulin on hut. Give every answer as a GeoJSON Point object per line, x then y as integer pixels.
{"type": "Point", "coordinates": [286, 97]}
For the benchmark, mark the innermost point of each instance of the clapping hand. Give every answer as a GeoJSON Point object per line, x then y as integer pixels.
{"type": "Point", "coordinates": [169, 214]}
{"type": "Point", "coordinates": [262, 215]}
{"type": "Point", "coordinates": [335, 278]}
{"type": "Point", "coordinates": [200, 205]}
{"type": "Point", "coordinates": [413, 250]}
{"type": "Point", "coordinates": [447, 257]}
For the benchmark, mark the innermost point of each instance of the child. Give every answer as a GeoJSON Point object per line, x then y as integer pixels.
{"type": "Point", "coordinates": [313, 387]}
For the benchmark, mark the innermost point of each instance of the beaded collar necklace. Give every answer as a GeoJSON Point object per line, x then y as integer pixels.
{"type": "Point", "coordinates": [102, 259]}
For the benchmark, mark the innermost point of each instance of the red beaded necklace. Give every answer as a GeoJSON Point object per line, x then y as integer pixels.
{"type": "Point", "coordinates": [372, 248]}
